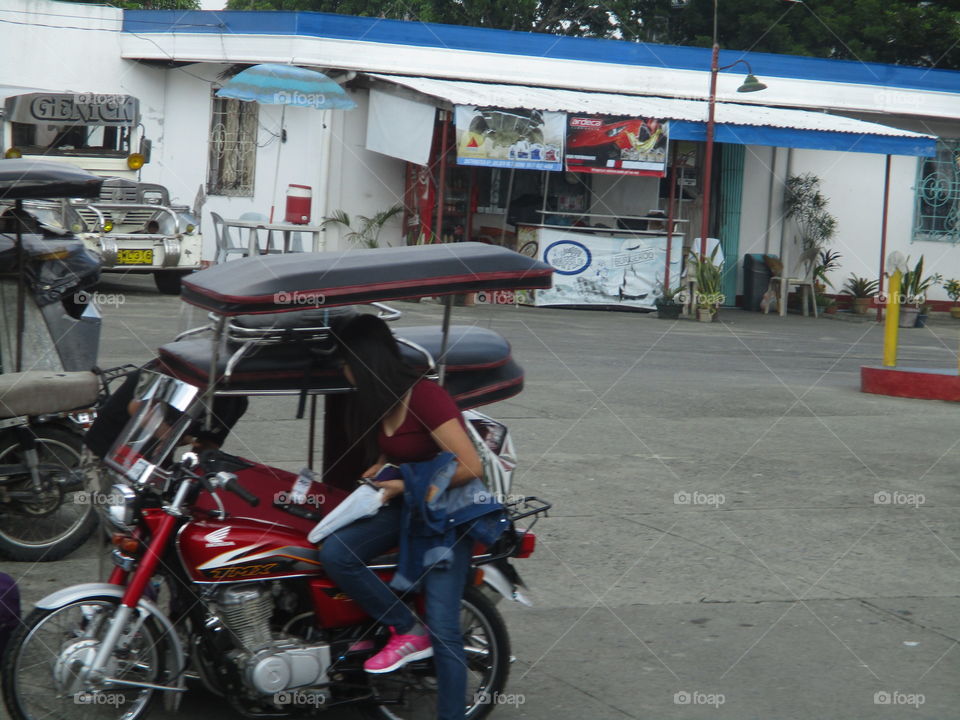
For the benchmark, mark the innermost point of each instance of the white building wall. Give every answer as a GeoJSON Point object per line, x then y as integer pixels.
{"type": "Point", "coordinates": [362, 182]}
{"type": "Point", "coordinates": [853, 184]}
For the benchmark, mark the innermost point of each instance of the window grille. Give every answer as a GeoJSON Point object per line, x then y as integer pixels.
{"type": "Point", "coordinates": [937, 210]}
{"type": "Point", "coordinates": [233, 147]}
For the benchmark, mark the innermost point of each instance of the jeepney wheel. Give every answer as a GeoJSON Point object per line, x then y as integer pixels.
{"type": "Point", "coordinates": [168, 281]}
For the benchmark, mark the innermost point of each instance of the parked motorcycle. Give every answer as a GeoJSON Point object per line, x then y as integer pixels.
{"type": "Point", "coordinates": [50, 334]}
{"type": "Point", "coordinates": [214, 578]}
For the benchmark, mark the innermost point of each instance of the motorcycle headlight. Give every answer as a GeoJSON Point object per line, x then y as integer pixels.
{"type": "Point", "coordinates": [121, 505]}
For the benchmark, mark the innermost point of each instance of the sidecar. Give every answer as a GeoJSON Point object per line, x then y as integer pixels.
{"type": "Point", "coordinates": [270, 326]}
{"type": "Point", "coordinates": [47, 321]}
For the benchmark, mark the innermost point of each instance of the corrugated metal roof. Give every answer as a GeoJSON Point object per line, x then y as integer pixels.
{"type": "Point", "coordinates": [524, 96]}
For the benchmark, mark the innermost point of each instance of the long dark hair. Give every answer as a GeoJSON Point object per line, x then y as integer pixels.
{"type": "Point", "coordinates": [382, 378]}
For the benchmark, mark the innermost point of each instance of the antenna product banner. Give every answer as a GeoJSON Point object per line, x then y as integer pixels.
{"type": "Point", "coordinates": [525, 139]}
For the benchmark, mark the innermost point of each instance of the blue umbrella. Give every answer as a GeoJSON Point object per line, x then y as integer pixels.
{"type": "Point", "coordinates": [285, 85]}
{"type": "Point", "coordinates": [272, 84]}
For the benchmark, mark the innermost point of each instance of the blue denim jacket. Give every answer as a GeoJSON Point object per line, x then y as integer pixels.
{"type": "Point", "coordinates": [435, 516]}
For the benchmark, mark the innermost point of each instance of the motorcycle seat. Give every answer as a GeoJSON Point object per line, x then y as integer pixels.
{"type": "Point", "coordinates": [38, 392]}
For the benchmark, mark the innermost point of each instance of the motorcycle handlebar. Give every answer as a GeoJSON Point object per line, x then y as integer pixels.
{"type": "Point", "coordinates": [237, 489]}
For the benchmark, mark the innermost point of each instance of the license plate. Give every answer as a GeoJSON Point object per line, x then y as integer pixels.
{"type": "Point", "coordinates": [135, 257]}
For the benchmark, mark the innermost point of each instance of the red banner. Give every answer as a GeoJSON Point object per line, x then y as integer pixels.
{"type": "Point", "coordinates": [616, 145]}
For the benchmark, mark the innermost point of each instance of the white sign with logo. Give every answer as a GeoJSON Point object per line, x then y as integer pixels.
{"type": "Point", "coordinates": [594, 269]}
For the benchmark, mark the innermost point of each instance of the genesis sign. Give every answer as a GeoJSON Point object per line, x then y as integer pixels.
{"type": "Point", "coordinates": [73, 109]}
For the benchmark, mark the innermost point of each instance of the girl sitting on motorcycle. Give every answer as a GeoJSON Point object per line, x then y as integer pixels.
{"type": "Point", "coordinates": [400, 417]}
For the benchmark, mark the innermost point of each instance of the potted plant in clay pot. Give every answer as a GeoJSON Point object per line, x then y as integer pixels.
{"type": "Point", "coordinates": [862, 291]}
{"type": "Point", "coordinates": [952, 286]}
{"type": "Point", "coordinates": [668, 305]}
{"type": "Point", "coordinates": [913, 292]}
{"type": "Point", "coordinates": [709, 278]}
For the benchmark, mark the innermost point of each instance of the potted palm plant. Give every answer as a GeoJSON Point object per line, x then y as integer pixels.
{"type": "Point", "coordinates": [709, 279]}
{"type": "Point", "coordinates": [668, 305]}
{"type": "Point", "coordinates": [862, 291]}
{"type": "Point", "coordinates": [826, 261]}
{"type": "Point", "coordinates": [366, 234]}
{"type": "Point", "coordinates": [807, 207]}
{"type": "Point", "coordinates": [913, 291]}
{"type": "Point", "coordinates": [952, 286]}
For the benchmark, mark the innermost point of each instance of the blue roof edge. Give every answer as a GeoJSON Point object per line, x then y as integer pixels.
{"type": "Point", "coordinates": [419, 34]}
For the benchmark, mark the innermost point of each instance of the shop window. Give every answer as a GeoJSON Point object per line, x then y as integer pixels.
{"type": "Point", "coordinates": [937, 211]}
{"type": "Point", "coordinates": [233, 147]}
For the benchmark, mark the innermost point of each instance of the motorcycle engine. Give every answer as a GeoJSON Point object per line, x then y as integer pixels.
{"type": "Point", "coordinates": [268, 664]}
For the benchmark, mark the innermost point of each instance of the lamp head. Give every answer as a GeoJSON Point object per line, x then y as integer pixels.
{"type": "Point", "coordinates": [751, 84]}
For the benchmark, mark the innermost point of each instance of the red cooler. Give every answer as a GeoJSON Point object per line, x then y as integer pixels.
{"type": "Point", "coordinates": [299, 198]}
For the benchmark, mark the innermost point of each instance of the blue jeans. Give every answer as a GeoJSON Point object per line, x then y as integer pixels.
{"type": "Point", "coordinates": [345, 554]}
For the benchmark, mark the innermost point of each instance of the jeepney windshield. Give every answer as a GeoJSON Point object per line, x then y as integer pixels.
{"type": "Point", "coordinates": [75, 124]}
{"type": "Point", "coordinates": [78, 140]}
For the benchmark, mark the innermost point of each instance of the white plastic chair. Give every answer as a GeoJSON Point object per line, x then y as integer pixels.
{"type": "Point", "coordinates": [260, 217]}
{"type": "Point", "coordinates": [227, 244]}
{"type": "Point", "coordinates": [802, 277]}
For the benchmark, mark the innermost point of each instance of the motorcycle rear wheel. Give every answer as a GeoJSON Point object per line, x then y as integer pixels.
{"type": "Point", "coordinates": [46, 652]}
{"type": "Point", "coordinates": [410, 693]}
{"type": "Point", "coordinates": [32, 533]}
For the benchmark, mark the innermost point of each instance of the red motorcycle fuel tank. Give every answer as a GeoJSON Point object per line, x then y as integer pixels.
{"type": "Point", "coordinates": [245, 549]}
{"type": "Point", "coordinates": [238, 549]}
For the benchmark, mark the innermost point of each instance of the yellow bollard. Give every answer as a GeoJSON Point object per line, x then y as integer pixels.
{"type": "Point", "coordinates": [892, 321]}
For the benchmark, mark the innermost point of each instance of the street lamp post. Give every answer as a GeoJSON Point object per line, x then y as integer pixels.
{"type": "Point", "coordinates": [750, 84]}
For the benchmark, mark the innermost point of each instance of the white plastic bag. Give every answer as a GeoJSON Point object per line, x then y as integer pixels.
{"type": "Point", "coordinates": [363, 502]}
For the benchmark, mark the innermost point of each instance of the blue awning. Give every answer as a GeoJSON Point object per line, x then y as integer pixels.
{"type": "Point", "coordinates": [810, 139]}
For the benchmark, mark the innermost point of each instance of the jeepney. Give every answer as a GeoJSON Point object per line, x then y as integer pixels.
{"type": "Point", "coordinates": [132, 226]}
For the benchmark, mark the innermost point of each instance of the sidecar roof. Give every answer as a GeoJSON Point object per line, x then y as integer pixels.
{"type": "Point", "coordinates": [34, 179]}
{"type": "Point", "coordinates": [284, 283]}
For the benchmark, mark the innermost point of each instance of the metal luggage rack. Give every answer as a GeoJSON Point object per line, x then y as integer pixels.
{"type": "Point", "coordinates": [249, 339]}
{"type": "Point", "coordinates": [520, 509]}
{"type": "Point", "coordinates": [529, 506]}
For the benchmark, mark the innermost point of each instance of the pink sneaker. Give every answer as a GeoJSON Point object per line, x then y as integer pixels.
{"type": "Point", "coordinates": [399, 650]}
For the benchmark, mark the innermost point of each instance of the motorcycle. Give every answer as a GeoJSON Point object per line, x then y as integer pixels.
{"type": "Point", "coordinates": [54, 332]}
{"type": "Point", "coordinates": [214, 579]}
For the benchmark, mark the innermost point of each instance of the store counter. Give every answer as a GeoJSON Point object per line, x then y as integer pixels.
{"type": "Point", "coordinates": [601, 266]}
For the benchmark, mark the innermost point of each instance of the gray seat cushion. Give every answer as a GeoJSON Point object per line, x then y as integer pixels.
{"type": "Point", "coordinates": [37, 392]}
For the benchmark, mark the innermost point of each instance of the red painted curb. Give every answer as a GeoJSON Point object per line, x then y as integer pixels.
{"type": "Point", "coordinates": [918, 383]}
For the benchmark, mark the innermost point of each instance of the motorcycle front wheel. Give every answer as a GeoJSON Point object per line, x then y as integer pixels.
{"type": "Point", "coordinates": [57, 519]}
{"type": "Point", "coordinates": [411, 692]}
{"type": "Point", "coordinates": [45, 657]}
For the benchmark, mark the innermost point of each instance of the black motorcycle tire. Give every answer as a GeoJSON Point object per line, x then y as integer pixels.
{"type": "Point", "coordinates": [52, 436]}
{"type": "Point", "coordinates": [476, 602]}
{"type": "Point", "coordinates": [8, 671]}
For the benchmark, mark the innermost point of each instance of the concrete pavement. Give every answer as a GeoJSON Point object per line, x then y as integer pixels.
{"type": "Point", "coordinates": [738, 532]}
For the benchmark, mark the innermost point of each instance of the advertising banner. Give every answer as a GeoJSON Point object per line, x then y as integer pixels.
{"type": "Point", "coordinates": [616, 145]}
{"type": "Point", "coordinates": [525, 139]}
{"type": "Point", "coordinates": [606, 270]}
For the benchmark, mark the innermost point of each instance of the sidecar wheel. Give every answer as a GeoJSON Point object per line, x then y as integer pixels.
{"type": "Point", "coordinates": [55, 526]}
{"type": "Point", "coordinates": [44, 655]}
{"type": "Point", "coordinates": [410, 693]}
